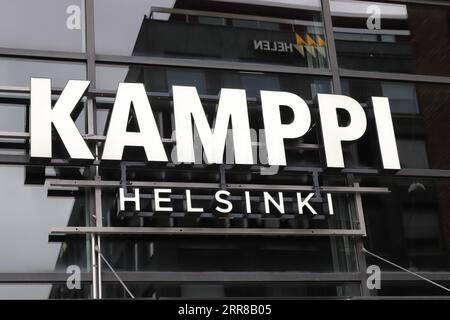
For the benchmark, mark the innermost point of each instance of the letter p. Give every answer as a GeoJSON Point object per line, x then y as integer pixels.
{"type": "Point", "coordinates": [333, 134]}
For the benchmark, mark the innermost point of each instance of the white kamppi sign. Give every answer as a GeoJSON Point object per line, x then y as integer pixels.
{"type": "Point", "coordinates": [232, 107]}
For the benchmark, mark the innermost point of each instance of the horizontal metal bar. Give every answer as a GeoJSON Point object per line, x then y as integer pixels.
{"type": "Point", "coordinates": [406, 172]}
{"type": "Point", "coordinates": [174, 231]}
{"type": "Point", "coordinates": [230, 186]}
{"type": "Point", "coordinates": [232, 276]}
{"type": "Point", "coordinates": [334, 189]}
{"type": "Point", "coordinates": [372, 31]}
{"type": "Point", "coordinates": [260, 187]}
{"type": "Point", "coordinates": [102, 138]}
{"type": "Point", "coordinates": [25, 159]}
{"type": "Point", "coordinates": [27, 135]}
{"type": "Point", "coordinates": [223, 15]}
{"type": "Point", "coordinates": [39, 277]}
{"type": "Point", "coordinates": [210, 64]}
{"type": "Point", "coordinates": [43, 54]}
{"type": "Point", "coordinates": [105, 93]}
{"type": "Point", "coordinates": [444, 3]}
{"type": "Point", "coordinates": [429, 173]}
{"type": "Point", "coordinates": [345, 73]}
{"type": "Point", "coordinates": [14, 135]}
{"type": "Point", "coordinates": [402, 298]}
{"type": "Point", "coordinates": [261, 216]}
{"type": "Point", "coordinates": [162, 95]}
{"type": "Point", "coordinates": [368, 171]}
{"type": "Point", "coordinates": [14, 159]}
{"type": "Point", "coordinates": [114, 184]}
{"type": "Point", "coordinates": [304, 146]}
{"type": "Point", "coordinates": [26, 90]}
{"type": "Point", "coordinates": [217, 276]}
{"type": "Point", "coordinates": [404, 276]}
{"type": "Point", "coordinates": [338, 189]}
{"type": "Point", "coordinates": [15, 89]}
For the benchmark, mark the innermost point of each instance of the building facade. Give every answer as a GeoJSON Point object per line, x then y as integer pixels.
{"type": "Point", "coordinates": [64, 233]}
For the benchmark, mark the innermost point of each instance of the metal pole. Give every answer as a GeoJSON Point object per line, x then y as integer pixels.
{"type": "Point", "coordinates": [94, 268]}
{"type": "Point", "coordinates": [115, 274]}
{"type": "Point", "coordinates": [99, 269]}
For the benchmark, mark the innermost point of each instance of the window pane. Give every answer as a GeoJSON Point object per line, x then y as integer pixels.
{"type": "Point", "coordinates": [324, 254]}
{"type": "Point", "coordinates": [387, 37]}
{"type": "Point", "coordinates": [25, 225]}
{"type": "Point", "coordinates": [12, 117]}
{"type": "Point", "coordinates": [47, 25]}
{"type": "Point", "coordinates": [298, 40]}
{"type": "Point", "coordinates": [221, 291]}
{"type": "Point", "coordinates": [18, 72]}
{"type": "Point", "coordinates": [408, 226]}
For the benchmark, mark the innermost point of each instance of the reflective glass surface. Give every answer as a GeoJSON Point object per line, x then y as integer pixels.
{"type": "Point", "coordinates": [296, 38]}
{"type": "Point", "coordinates": [409, 226]}
{"type": "Point", "coordinates": [390, 37]}
{"type": "Point", "coordinates": [420, 116]}
{"type": "Point", "coordinates": [27, 215]}
{"type": "Point", "coordinates": [51, 25]}
{"type": "Point", "coordinates": [324, 254]}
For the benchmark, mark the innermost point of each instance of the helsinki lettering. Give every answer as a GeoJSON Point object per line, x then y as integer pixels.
{"type": "Point", "coordinates": [232, 109]}
{"type": "Point", "coordinates": [162, 202]}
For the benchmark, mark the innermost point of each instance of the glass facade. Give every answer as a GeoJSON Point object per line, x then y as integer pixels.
{"type": "Point", "coordinates": [361, 49]}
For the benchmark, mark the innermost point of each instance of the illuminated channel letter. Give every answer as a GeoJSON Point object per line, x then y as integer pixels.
{"type": "Point", "coordinates": [42, 116]}
{"type": "Point", "coordinates": [159, 199]}
{"type": "Point", "coordinates": [275, 131]}
{"type": "Point", "coordinates": [279, 205]}
{"type": "Point", "coordinates": [189, 207]}
{"type": "Point", "coordinates": [232, 106]}
{"type": "Point", "coordinates": [226, 202]}
{"type": "Point", "coordinates": [385, 131]}
{"type": "Point", "coordinates": [332, 133]}
{"type": "Point", "coordinates": [148, 136]}
{"type": "Point", "coordinates": [135, 199]}
{"type": "Point", "coordinates": [305, 203]}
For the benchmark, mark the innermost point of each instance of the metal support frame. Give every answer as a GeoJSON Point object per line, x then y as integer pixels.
{"type": "Point", "coordinates": [233, 276]}
{"type": "Point", "coordinates": [95, 194]}
{"type": "Point", "coordinates": [213, 185]}
{"type": "Point", "coordinates": [216, 276]}
{"type": "Point", "coordinates": [175, 231]}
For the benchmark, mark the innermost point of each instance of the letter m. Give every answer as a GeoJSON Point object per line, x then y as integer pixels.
{"type": "Point", "coordinates": [232, 107]}
{"type": "Point", "coordinates": [42, 116]}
